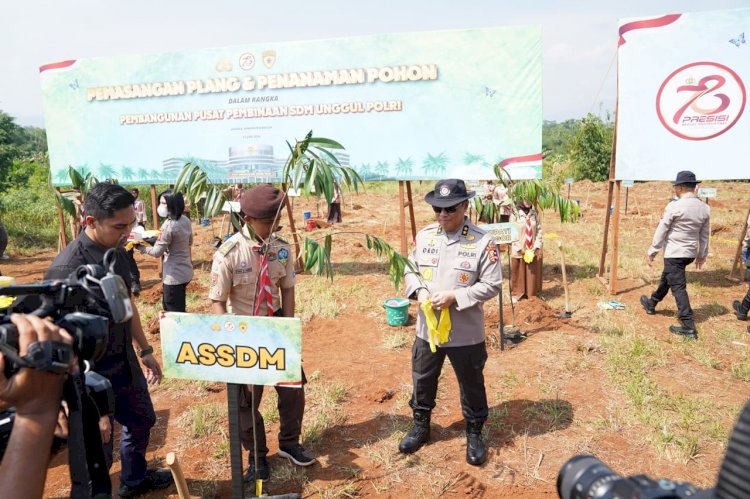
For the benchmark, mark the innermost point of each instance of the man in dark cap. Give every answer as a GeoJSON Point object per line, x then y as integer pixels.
{"type": "Point", "coordinates": [256, 275]}
{"type": "Point", "coordinates": [683, 233]}
{"type": "Point", "coordinates": [458, 270]}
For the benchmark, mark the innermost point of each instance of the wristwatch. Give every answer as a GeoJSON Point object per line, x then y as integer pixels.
{"type": "Point", "coordinates": [146, 351]}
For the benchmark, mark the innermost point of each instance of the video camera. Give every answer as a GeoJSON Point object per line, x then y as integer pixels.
{"type": "Point", "coordinates": [88, 395]}
{"type": "Point", "coordinates": [587, 477]}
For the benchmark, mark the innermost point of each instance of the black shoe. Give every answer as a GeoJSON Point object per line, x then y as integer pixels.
{"type": "Point", "coordinates": [418, 435]}
{"type": "Point", "coordinates": [155, 479]}
{"type": "Point", "coordinates": [737, 306]}
{"type": "Point", "coordinates": [297, 455]}
{"type": "Point", "coordinates": [264, 473]}
{"type": "Point", "coordinates": [476, 452]}
{"type": "Point", "coordinates": [687, 332]}
{"type": "Point", "coordinates": [648, 305]}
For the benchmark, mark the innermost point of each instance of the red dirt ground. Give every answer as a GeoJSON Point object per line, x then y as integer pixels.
{"type": "Point", "coordinates": [548, 395]}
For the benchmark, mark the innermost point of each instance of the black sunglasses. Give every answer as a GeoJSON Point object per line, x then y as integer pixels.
{"type": "Point", "coordinates": [449, 209]}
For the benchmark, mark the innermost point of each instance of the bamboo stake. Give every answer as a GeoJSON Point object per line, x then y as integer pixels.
{"type": "Point", "coordinates": [179, 478]}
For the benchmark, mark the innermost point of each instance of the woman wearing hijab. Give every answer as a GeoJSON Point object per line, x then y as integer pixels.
{"type": "Point", "coordinates": [526, 253]}
{"type": "Point", "coordinates": [175, 240]}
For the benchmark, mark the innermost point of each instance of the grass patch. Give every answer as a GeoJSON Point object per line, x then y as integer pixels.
{"type": "Point", "coordinates": [741, 369]}
{"type": "Point", "coordinates": [549, 414]}
{"type": "Point", "coordinates": [204, 420]}
{"type": "Point", "coordinates": [269, 408]}
{"type": "Point", "coordinates": [315, 297]}
{"type": "Point", "coordinates": [677, 425]}
{"type": "Point", "coordinates": [324, 409]}
{"type": "Point", "coordinates": [30, 217]}
{"type": "Point", "coordinates": [396, 339]}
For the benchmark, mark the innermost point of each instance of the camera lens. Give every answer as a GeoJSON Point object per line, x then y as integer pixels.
{"type": "Point", "coordinates": [584, 477]}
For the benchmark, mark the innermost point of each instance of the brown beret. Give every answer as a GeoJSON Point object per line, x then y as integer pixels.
{"type": "Point", "coordinates": [262, 201]}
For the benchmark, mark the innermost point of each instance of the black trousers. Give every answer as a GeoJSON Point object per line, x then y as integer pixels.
{"type": "Point", "coordinates": [673, 277]}
{"type": "Point", "coordinates": [173, 298]}
{"type": "Point", "coordinates": [135, 274]}
{"type": "Point", "coordinates": [746, 299]}
{"type": "Point", "coordinates": [468, 364]}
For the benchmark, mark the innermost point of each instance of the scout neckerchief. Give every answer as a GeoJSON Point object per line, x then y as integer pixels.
{"type": "Point", "coordinates": [529, 232]}
{"type": "Point", "coordinates": [437, 332]}
{"type": "Point", "coordinates": [264, 284]}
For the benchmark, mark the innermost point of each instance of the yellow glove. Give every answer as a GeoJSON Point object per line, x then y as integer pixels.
{"type": "Point", "coordinates": [528, 256]}
{"type": "Point", "coordinates": [437, 332]}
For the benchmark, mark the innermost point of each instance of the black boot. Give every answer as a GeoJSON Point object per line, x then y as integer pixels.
{"type": "Point", "coordinates": [476, 452]}
{"type": "Point", "coordinates": [648, 305]}
{"type": "Point", "coordinates": [418, 435]}
{"type": "Point", "coordinates": [741, 308]}
{"type": "Point", "coordinates": [686, 329]}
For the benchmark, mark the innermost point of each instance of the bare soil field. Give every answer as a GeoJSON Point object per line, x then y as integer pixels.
{"type": "Point", "coordinates": [614, 383]}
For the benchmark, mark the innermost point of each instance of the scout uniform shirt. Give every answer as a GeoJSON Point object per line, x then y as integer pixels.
{"type": "Point", "coordinates": [683, 229]}
{"type": "Point", "coordinates": [518, 247]}
{"type": "Point", "coordinates": [466, 262]}
{"type": "Point", "coordinates": [235, 270]}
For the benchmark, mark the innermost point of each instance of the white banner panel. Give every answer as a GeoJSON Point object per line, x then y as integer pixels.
{"type": "Point", "coordinates": [682, 82]}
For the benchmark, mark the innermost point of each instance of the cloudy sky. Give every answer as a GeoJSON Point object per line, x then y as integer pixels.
{"type": "Point", "coordinates": [580, 36]}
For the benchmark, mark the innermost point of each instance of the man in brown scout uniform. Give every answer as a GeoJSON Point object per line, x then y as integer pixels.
{"type": "Point", "coordinates": [257, 276]}
{"type": "Point", "coordinates": [459, 270]}
{"type": "Point", "coordinates": [683, 233]}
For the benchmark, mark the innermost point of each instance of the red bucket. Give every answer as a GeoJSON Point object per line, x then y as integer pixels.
{"type": "Point", "coordinates": [311, 224]}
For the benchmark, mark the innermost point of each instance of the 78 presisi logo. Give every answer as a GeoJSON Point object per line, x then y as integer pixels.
{"type": "Point", "coordinates": [700, 101]}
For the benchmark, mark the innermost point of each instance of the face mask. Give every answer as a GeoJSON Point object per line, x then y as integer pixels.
{"type": "Point", "coordinates": [161, 210]}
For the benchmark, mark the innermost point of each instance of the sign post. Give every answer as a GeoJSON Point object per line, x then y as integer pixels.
{"type": "Point", "coordinates": [237, 350]}
{"type": "Point", "coordinates": [569, 181]}
{"type": "Point", "coordinates": [504, 233]}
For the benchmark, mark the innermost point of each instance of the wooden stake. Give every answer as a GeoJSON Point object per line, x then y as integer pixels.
{"type": "Point", "coordinates": [615, 241]}
{"type": "Point", "coordinates": [154, 205]}
{"type": "Point", "coordinates": [179, 479]}
{"type": "Point", "coordinates": [564, 276]}
{"type": "Point", "coordinates": [63, 238]}
{"type": "Point", "coordinates": [155, 224]}
{"type": "Point", "coordinates": [410, 200]}
{"type": "Point", "coordinates": [402, 216]}
{"type": "Point", "coordinates": [290, 216]}
{"type": "Point", "coordinates": [605, 239]}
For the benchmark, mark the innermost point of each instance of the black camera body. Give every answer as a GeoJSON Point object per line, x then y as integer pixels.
{"type": "Point", "coordinates": [587, 477]}
{"type": "Point", "coordinates": [66, 301]}
{"type": "Point", "coordinates": [88, 395]}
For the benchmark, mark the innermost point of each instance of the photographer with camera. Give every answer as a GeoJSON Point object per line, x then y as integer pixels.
{"type": "Point", "coordinates": [110, 217]}
{"type": "Point", "coordinates": [36, 397]}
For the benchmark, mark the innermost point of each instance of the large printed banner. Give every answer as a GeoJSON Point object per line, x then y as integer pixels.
{"type": "Point", "coordinates": [682, 101]}
{"type": "Point", "coordinates": [232, 348]}
{"type": "Point", "coordinates": [407, 106]}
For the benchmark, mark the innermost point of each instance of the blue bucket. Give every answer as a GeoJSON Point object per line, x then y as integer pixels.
{"type": "Point", "coordinates": [306, 215]}
{"type": "Point", "coordinates": [396, 311]}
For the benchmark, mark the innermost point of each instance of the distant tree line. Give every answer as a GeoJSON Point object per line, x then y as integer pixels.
{"type": "Point", "coordinates": [580, 149]}
{"type": "Point", "coordinates": [23, 155]}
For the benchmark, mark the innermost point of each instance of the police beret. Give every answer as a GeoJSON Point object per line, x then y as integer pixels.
{"type": "Point", "coordinates": [262, 201]}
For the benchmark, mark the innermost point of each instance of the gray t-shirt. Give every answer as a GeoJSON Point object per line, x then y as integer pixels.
{"type": "Point", "coordinates": [174, 243]}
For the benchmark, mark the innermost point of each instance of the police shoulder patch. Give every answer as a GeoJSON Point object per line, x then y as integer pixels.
{"type": "Point", "coordinates": [225, 248]}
